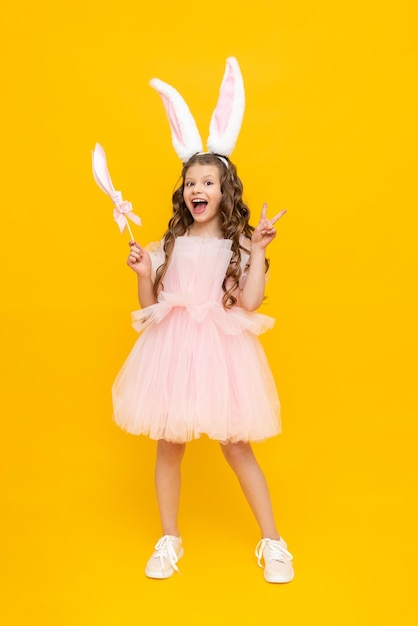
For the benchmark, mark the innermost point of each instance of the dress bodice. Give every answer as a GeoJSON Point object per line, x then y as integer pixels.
{"type": "Point", "coordinates": [198, 267]}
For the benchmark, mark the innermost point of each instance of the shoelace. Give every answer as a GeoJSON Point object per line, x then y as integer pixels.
{"type": "Point", "coordinates": [165, 550]}
{"type": "Point", "coordinates": [277, 552]}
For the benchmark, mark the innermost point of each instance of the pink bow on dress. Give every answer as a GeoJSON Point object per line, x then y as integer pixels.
{"type": "Point", "coordinates": [123, 208]}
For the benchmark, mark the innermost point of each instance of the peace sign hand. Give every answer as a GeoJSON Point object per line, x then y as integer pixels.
{"type": "Point", "coordinates": [265, 231]}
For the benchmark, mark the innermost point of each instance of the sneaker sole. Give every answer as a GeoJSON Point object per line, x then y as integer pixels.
{"type": "Point", "coordinates": [276, 579]}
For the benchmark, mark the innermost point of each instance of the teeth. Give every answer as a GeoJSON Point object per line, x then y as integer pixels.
{"type": "Point", "coordinates": [198, 201]}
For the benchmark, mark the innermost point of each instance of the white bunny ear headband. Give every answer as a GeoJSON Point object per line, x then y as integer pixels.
{"type": "Point", "coordinates": [225, 124]}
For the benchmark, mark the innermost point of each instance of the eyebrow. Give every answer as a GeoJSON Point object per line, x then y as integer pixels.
{"type": "Point", "coordinates": [204, 177]}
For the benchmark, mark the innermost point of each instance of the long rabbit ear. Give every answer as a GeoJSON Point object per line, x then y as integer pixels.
{"type": "Point", "coordinates": [184, 133]}
{"type": "Point", "coordinates": [227, 117]}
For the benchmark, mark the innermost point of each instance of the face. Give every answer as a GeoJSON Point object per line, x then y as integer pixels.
{"type": "Point", "coordinates": [202, 193]}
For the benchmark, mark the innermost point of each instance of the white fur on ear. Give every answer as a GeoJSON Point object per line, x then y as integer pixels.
{"type": "Point", "coordinates": [226, 121]}
{"type": "Point", "coordinates": [184, 133]}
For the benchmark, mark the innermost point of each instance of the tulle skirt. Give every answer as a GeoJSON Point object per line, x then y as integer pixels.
{"type": "Point", "coordinates": [194, 372]}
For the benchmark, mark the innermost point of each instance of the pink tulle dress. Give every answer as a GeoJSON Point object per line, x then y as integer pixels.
{"type": "Point", "coordinates": [197, 368]}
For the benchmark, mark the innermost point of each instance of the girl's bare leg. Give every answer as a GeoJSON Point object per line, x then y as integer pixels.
{"type": "Point", "coordinates": [240, 457]}
{"type": "Point", "coordinates": [168, 484]}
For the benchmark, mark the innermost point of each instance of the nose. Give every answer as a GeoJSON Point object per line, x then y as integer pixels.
{"type": "Point", "coordinates": [197, 188]}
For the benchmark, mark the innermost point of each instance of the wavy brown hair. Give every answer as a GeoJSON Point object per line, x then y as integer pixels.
{"type": "Point", "coordinates": [234, 215]}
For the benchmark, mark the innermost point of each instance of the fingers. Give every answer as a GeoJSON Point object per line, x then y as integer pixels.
{"type": "Point", "coordinates": [135, 247]}
{"type": "Point", "coordinates": [135, 254]}
{"type": "Point", "coordinates": [278, 216]}
{"type": "Point", "coordinates": [134, 244]}
{"type": "Point", "coordinates": [266, 226]}
{"type": "Point", "coordinates": [269, 231]}
{"type": "Point", "coordinates": [274, 219]}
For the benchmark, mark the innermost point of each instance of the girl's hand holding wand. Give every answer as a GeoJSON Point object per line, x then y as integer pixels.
{"type": "Point", "coordinates": [265, 231]}
{"type": "Point", "coordinates": [139, 260]}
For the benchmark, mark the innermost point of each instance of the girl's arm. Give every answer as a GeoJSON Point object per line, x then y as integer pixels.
{"type": "Point", "coordinates": [252, 294]}
{"type": "Point", "coordinates": [139, 261]}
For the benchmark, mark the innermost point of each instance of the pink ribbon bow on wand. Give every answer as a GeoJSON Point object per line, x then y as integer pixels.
{"type": "Point", "coordinates": [123, 209]}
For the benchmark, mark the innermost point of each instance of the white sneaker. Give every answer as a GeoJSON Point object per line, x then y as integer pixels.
{"type": "Point", "coordinates": [277, 560]}
{"type": "Point", "coordinates": [168, 550]}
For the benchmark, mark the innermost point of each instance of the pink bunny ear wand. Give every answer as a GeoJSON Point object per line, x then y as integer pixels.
{"type": "Point", "coordinates": [123, 209]}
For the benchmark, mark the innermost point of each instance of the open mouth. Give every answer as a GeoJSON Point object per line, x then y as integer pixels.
{"type": "Point", "coordinates": [199, 205]}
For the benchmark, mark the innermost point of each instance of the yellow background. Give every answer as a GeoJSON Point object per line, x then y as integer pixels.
{"type": "Point", "coordinates": [330, 134]}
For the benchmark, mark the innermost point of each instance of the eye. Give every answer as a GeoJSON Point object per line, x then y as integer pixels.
{"type": "Point", "coordinates": [208, 182]}
{"type": "Point", "coordinates": [189, 184]}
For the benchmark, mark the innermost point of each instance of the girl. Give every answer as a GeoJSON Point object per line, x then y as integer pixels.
{"type": "Point", "coordinates": [198, 366]}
